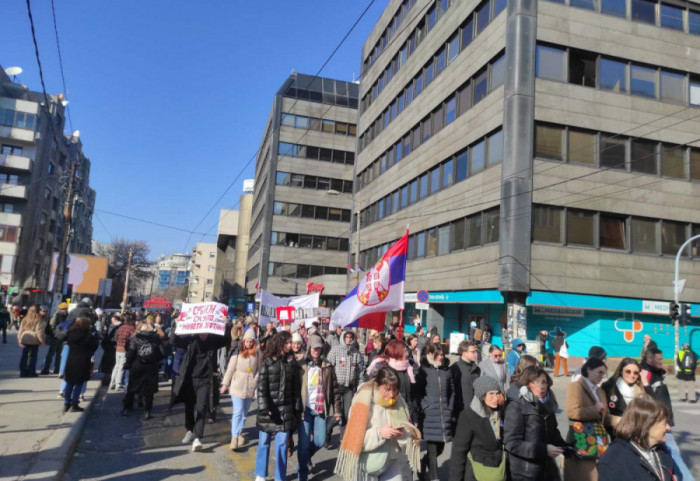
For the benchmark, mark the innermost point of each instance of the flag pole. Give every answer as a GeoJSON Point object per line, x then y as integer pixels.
{"type": "Point", "coordinates": [402, 302]}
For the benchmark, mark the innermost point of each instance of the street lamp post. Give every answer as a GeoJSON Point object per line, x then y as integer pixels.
{"type": "Point", "coordinates": [677, 288]}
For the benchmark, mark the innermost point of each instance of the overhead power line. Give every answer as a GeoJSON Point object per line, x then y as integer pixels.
{"type": "Point", "coordinates": [60, 63]}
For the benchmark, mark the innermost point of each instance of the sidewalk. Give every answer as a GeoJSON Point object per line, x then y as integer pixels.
{"type": "Point", "coordinates": [36, 438]}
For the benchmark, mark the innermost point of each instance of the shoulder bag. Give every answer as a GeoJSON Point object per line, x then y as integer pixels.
{"type": "Point", "coordinates": [487, 473]}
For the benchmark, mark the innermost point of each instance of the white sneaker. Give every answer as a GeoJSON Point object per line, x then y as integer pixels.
{"type": "Point", "coordinates": [196, 445]}
{"type": "Point", "coordinates": [259, 478]}
{"type": "Point", "coordinates": [189, 437]}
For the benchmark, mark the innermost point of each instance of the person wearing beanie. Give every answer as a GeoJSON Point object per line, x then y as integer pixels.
{"type": "Point", "coordinates": [479, 439]}
{"type": "Point", "coordinates": [240, 381]}
{"type": "Point", "coordinates": [298, 347]}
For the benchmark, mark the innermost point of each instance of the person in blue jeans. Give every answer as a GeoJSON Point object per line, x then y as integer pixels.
{"type": "Point", "coordinates": [320, 397]}
{"type": "Point", "coordinates": [279, 404]}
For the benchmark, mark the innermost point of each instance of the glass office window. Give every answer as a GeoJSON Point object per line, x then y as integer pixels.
{"type": "Point", "coordinates": [414, 191]}
{"type": "Point", "coordinates": [478, 157]}
{"type": "Point", "coordinates": [644, 236]}
{"type": "Point", "coordinates": [498, 72]}
{"type": "Point", "coordinates": [612, 75]}
{"type": "Point", "coordinates": [429, 73]}
{"type": "Point", "coordinates": [462, 160]}
{"type": "Point", "coordinates": [404, 196]}
{"type": "Point", "coordinates": [282, 178]}
{"type": "Point", "coordinates": [546, 223]}
{"type": "Point", "coordinates": [480, 86]}
{"type": "Point", "coordinates": [301, 122]}
{"type": "Point", "coordinates": [438, 119]}
{"type": "Point", "coordinates": [453, 48]}
{"type": "Point", "coordinates": [549, 141]}
{"type": "Point", "coordinates": [694, 22]}
{"type": "Point", "coordinates": [644, 11]}
{"type": "Point", "coordinates": [671, 17]}
{"type": "Point", "coordinates": [474, 230]}
{"type": "Point", "coordinates": [587, 4]}
{"type": "Point", "coordinates": [288, 120]}
{"type": "Point", "coordinates": [467, 32]}
{"type": "Point", "coordinates": [435, 180]}
{"type": "Point", "coordinates": [579, 227]}
{"type": "Point", "coordinates": [613, 232]}
{"type": "Point", "coordinates": [450, 110]}
{"type": "Point", "coordinates": [444, 238]}
{"type": "Point", "coordinates": [612, 152]}
{"type": "Point", "coordinates": [695, 164]}
{"type": "Point", "coordinates": [549, 63]}
{"type": "Point", "coordinates": [496, 148]}
{"type": "Point", "coordinates": [440, 61]}
{"type": "Point", "coordinates": [424, 186]}
{"type": "Point", "coordinates": [672, 161]}
{"type": "Point", "coordinates": [465, 97]}
{"type": "Point", "coordinates": [491, 225]}
{"type": "Point", "coordinates": [694, 92]}
{"type": "Point", "coordinates": [673, 87]}
{"type": "Point", "coordinates": [582, 68]}
{"type": "Point", "coordinates": [614, 7]}
{"type": "Point", "coordinates": [448, 174]}
{"type": "Point", "coordinates": [498, 7]}
{"type": "Point", "coordinates": [431, 242]}
{"type": "Point", "coordinates": [458, 237]}
{"type": "Point", "coordinates": [581, 147]}
{"type": "Point", "coordinates": [411, 251]}
{"type": "Point", "coordinates": [483, 17]}
{"type": "Point", "coordinates": [672, 237]}
{"type": "Point", "coordinates": [643, 157]}
{"type": "Point", "coordinates": [643, 81]}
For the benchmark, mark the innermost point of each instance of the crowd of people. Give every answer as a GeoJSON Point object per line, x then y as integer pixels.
{"type": "Point", "coordinates": [397, 403]}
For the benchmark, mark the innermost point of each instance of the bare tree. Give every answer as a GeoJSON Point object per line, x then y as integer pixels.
{"type": "Point", "coordinates": [118, 254]}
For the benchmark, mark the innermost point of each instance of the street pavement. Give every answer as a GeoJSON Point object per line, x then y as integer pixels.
{"type": "Point", "coordinates": [36, 439]}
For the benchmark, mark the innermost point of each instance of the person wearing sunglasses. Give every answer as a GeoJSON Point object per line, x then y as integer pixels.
{"type": "Point", "coordinates": [624, 386]}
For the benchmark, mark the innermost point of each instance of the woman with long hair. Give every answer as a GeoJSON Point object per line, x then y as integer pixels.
{"type": "Point", "coordinates": [378, 345]}
{"type": "Point", "coordinates": [31, 335]}
{"type": "Point", "coordinates": [396, 355]}
{"type": "Point", "coordinates": [380, 443]}
{"type": "Point", "coordinates": [82, 345]}
{"type": "Point", "coordinates": [414, 352]}
{"type": "Point", "coordinates": [240, 380]}
{"type": "Point", "coordinates": [526, 361]}
{"type": "Point", "coordinates": [624, 386]}
{"type": "Point", "coordinates": [279, 404]}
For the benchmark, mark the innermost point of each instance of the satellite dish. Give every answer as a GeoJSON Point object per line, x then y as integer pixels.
{"type": "Point", "coordinates": [13, 71]}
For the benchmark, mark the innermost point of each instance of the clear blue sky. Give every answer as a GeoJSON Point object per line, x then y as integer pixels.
{"type": "Point", "coordinates": [171, 97]}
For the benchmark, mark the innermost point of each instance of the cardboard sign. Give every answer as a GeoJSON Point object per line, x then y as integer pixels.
{"type": "Point", "coordinates": [201, 318]}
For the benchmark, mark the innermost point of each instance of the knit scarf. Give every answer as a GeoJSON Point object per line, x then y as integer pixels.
{"type": "Point", "coordinates": [351, 446]}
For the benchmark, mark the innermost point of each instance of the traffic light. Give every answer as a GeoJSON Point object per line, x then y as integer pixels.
{"type": "Point", "coordinates": [685, 313]}
{"type": "Point", "coordinates": [673, 311]}
{"type": "Point", "coordinates": [4, 289]}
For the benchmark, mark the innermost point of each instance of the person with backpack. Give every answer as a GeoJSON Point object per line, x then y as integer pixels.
{"type": "Point", "coordinates": [687, 361]}
{"type": "Point", "coordinates": [30, 337]}
{"type": "Point", "coordinates": [143, 356]}
{"type": "Point", "coordinates": [55, 346]}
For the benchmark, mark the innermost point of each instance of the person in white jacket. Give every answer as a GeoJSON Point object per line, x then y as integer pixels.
{"type": "Point", "coordinates": [240, 380]}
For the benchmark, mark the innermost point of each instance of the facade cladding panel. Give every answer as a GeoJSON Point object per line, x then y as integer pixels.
{"type": "Point", "coordinates": [302, 202]}
{"type": "Point", "coordinates": [532, 156]}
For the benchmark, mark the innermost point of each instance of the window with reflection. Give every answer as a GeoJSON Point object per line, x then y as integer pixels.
{"type": "Point", "coordinates": [467, 32]}
{"type": "Point", "coordinates": [546, 223]}
{"type": "Point", "coordinates": [481, 86]}
{"type": "Point", "coordinates": [695, 164]}
{"type": "Point", "coordinates": [673, 235]}
{"type": "Point", "coordinates": [643, 157]}
{"type": "Point", "coordinates": [672, 161]}
{"type": "Point", "coordinates": [644, 11]}
{"type": "Point", "coordinates": [643, 81]}
{"type": "Point", "coordinates": [580, 227]}
{"type": "Point", "coordinates": [495, 148]}
{"type": "Point", "coordinates": [672, 87]}
{"type": "Point", "coordinates": [671, 16]}
{"type": "Point", "coordinates": [483, 17]}
{"type": "Point", "coordinates": [644, 236]}
{"type": "Point", "coordinates": [614, 7]}
{"type": "Point", "coordinates": [491, 225]}
{"type": "Point", "coordinates": [458, 237]}
{"type": "Point", "coordinates": [612, 152]}
{"type": "Point", "coordinates": [612, 75]}
{"type": "Point", "coordinates": [474, 224]}
{"type": "Point", "coordinates": [549, 141]}
{"type": "Point", "coordinates": [478, 157]}
{"type": "Point", "coordinates": [444, 236]}
{"type": "Point", "coordinates": [613, 232]}
{"type": "Point", "coordinates": [581, 147]}
{"type": "Point", "coordinates": [549, 63]}
{"type": "Point", "coordinates": [462, 165]}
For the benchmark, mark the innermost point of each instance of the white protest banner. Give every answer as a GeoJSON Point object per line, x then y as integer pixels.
{"type": "Point", "coordinates": [202, 317]}
{"type": "Point", "coordinates": [306, 308]}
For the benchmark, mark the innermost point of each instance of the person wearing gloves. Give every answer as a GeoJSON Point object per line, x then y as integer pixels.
{"type": "Point", "coordinates": [321, 399]}
{"type": "Point", "coordinates": [240, 380]}
{"type": "Point", "coordinates": [514, 355]}
{"type": "Point", "coordinates": [477, 448]}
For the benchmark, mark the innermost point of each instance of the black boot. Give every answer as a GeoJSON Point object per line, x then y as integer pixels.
{"type": "Point", "coordinates": [148, 415]}
{"type": "Point", "coordinates": [76, 409]}
{"type": "Point", "coordinates": [66, 407]}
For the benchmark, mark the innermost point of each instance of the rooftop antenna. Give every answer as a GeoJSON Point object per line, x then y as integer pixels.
{"type": "Point", "coordinates": [13, 72]}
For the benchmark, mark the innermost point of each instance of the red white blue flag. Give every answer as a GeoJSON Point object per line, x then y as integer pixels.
{"type": "Point", "coordinates": [380, 290]}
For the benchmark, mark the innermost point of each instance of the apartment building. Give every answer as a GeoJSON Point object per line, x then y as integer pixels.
{"type": "Point", "coordinates": [202, 273]}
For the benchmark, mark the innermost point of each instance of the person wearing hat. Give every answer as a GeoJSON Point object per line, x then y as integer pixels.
{"type": "Point", "coordinates": [298, 351]}
{"type": "Point", "coordinates": [321, 399]}
{"type": "Point", "coordinates": [687, 362]}
{"type": "Point", "coordinates": [478, 443]}
{"type": "Point", "coordinates": [240, 381]}
{"type": "Point", "coordinates": [55, 346]}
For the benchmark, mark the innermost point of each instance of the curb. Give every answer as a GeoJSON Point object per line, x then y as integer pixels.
{"type": "Point", "coordinates": [57, 451]}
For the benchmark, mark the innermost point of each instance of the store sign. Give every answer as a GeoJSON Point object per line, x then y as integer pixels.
{"type": "Point", "coordinates": [313, 287]}
{"type": "Point", "coordinates": [557, 311]}
{"type": "Point", "coordinates": [655, 307]}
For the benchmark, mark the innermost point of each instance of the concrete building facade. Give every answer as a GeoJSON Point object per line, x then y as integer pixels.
{"type": "Point", "coordinates": [35, 159]}
{"type": "Point", "coordinates": [303, 190]}
{"type": "Point", "coordinates": [202, 273]}
{"type": "Point", "coordinates": [546, 156]}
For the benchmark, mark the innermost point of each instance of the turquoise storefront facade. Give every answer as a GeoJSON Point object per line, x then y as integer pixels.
{"type": "Point", "coordinates": [617, 324]}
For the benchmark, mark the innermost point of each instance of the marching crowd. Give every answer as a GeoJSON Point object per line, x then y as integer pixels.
{"type": "Point", "coordinates": [397, 402]}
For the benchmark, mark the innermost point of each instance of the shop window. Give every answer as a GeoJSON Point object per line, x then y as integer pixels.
{"type": "Point", "coordinates": [672, 161]}
{"type": "Point", "coordinates": [644, 11]}
{"type": "Point", "coordinates": [581, 147]}
{"type": "Point", "coordinates": [582, 68]}
{"type": "Point", "coordinates": [673, 87]}
{"type": "Point", "coordinates": [672, 237]}
{"type": "Point", "coordinates": [612, 152]}
{"type": "Point", "coordinates": [579, 227]}
{"type": "Point", "coordinates": [613, 75]}
{"type": "Point", "coordinates": [643, 157]}
{"type": "Point", "coordinates": [671, 17]}
{"type": "Point", "coordinates": [613, 232]}
{"type": "Point", "coordinates": [549, 63]}
{"type": "Point", "coordinates": [644, 236]}
{"type": "Point", "coordinates": [614, 7]}
{"type": "Point", "coordinates": [549, 143]}
{"type": "Point", "coordinates": [643, 81]}
{"type": "Point", "coordinates": [547, 223]}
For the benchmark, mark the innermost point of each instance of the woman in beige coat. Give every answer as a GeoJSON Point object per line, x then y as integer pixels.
{"type": "Point", "coordinates": [586, 402]}
{"type": "Point", "coordinates": [30, 337]}
{"type": "Point", "coordinates": [240, 380]}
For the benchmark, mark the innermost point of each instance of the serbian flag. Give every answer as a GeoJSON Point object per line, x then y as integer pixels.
{"type": "Point", "coordinates": [380, 290]}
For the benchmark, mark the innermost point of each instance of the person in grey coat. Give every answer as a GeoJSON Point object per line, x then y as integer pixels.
{"type": "Point", "coordinates": [493, 366]}
{"type": "Point", "coordinates": [436, 393]}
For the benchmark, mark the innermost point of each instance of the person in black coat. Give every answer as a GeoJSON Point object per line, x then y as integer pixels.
{"type": "Point", "coordinates": [195, 379]}
{"type": "Point", "coordinates": [637, 454]}
{"type": "Point", "coordinates": [143, 356]}
{"type": "Point", "coordinates": [530, 432]}
{"type": "Point", "coordinates": [435, 392]}
{"type": "Point", "coordinates": [464, 372]}
{"type": "Point", "coordinates": [82, 345]}
{"type": "Point", "coordinates": [479, 434]}
{"type": "Point", "coordinates": [279, 404]}
{"type": "Point", "coordinates": [109, 349]}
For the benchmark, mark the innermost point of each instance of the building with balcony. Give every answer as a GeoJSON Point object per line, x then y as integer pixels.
{"type": "Point", "coordinates": [303, 189]}
{"type": "Point", "coordinates": [35, 159]}
{"type": "Point", "coordinates": [202, 273]}
{"type": "Point", "coordinates": [547, 158]}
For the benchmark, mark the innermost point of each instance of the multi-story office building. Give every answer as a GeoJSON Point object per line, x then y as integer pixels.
{"type": "Point", "coordinates": [173, 270]}
{"type": "Point", "coordinates": [303, 189]}
{"type": "Point", "coordinates": [35, 159]}
{"type": "Point", "coordinates": [546, 156]}
{"type": "Point", "coordinates": [202, 273]}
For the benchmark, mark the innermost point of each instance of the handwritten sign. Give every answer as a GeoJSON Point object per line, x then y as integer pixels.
{"type": "Point", "coordinates": [202, 317]}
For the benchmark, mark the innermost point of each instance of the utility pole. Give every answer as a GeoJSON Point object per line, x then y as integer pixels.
{"type": "Point", "coordinates": [126, 282]}
{"type": "Point", "coordinates": [678, 286]}
{"type": "Point", "coordinates": [60, 278]}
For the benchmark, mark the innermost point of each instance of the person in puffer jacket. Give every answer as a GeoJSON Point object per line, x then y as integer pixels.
{"type": "Point", "coordinates": [279, 404]}
{"type": "Point", "coordinates": [435, 389]}
{"type": "Point", "coordinates": [143, 356]}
